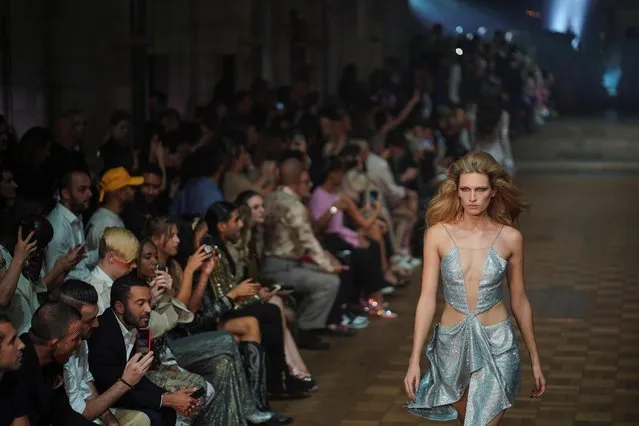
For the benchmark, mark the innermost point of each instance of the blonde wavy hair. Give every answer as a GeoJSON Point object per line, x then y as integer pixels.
{"type": "Point", "coordinates": [504, 208]}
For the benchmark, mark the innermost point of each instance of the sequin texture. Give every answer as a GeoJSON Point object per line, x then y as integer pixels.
{"type": "Point", "coordinates": [470, 355]}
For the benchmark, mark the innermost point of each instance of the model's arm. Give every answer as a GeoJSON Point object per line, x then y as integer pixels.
{"type": "Point", "coordinates": [520, 305]}
{"type": "Point", "coordinates": [428, 297]}
{"type": "Point", "coordinates": [519, 302]}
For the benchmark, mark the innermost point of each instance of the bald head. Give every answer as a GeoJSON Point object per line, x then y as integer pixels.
{"type": "Point", "coordinates": [291, 171]}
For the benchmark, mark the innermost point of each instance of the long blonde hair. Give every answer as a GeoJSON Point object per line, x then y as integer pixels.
{"type": "Point", "coordinates": [505, 207]}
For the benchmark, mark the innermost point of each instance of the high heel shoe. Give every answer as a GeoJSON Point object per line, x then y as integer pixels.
{"type": "Point", "coordinates": [306, 378]}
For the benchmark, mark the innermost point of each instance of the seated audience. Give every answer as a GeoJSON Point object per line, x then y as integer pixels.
{"type": "Point", "coordinates": [293, 255]}
{"type": "Point", "coordinates": [224, 225]}
{"type": "Point", "coordinates": [327, 208]}
{"type": "Point", "coordinates": [116, 190]}
{"type": "Point", "coordinates": [247, 254]}
{"type": "Point", "coordinates": [22, 283]}
{"type": "Point", "coordinates": [213, 354]}
{"type": "Point", "coordinates": [55, 333]}
{"type": "Point", "coordinates": [78, 381]}
{"type": "Point", "coordinates": [113, 343]}
{"type": "Point", "coordinates": [201, 184]}
{"type": "Point", "coordinates": [66, 219]}
{"type": "Point", "coordinates": [117, 251]}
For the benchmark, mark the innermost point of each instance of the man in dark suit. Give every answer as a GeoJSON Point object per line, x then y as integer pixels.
{"type": "Point", "coordinates": [114, 342]}
{"type": "Point", "coordinates": [55, 333]}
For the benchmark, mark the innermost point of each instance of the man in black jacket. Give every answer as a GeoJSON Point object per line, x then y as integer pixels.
{"type": "Point", "coordinates": [113, 343]}
{"type": "Point", "coordinates": [54, 335]}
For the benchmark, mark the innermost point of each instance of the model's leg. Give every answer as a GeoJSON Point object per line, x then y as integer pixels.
{"type": "Point", "coordinates": [460, 406]}
{"type": "Point", "coordinates": [497, 419]}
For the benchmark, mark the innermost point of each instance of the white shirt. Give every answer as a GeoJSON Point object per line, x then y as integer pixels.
{"type": "Point", "coordinates": [24, 301]}
{"type": "Point", "coordinates": [76, 378]}
{"type": "Point", "coordinates": [101, 220]}
{"type": "Point", "coordinates": [129, 337]}
{"type": "Point", "coordinates": [379, 173]}
{"type": "Point", "coordinates": [68, 234]}
{"type": "Point", "coordinates": [102, 283]}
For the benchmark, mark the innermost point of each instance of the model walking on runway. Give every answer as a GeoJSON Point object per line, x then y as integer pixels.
{"type": "Point", "coordinates": [474, 358]}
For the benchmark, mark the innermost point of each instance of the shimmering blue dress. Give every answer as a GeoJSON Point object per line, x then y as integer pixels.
{"type": "Point", "coordinates": [469, 355]}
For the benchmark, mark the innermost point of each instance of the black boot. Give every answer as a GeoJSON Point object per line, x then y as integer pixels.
{"type": "Point", "coordinates": [254, 360]}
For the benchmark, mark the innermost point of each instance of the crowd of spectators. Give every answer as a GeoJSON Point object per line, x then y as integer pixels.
{"type": "Point", "coordinates": [179, 283]}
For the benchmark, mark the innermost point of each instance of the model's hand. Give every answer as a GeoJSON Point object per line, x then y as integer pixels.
{"type": "Point", "coordinates": [540, 382]}
{"type": "Point", "coordinates": [411, 381]}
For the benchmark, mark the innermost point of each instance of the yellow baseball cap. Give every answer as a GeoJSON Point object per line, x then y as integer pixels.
{"type": "Point", "coordinates": [117, 178]}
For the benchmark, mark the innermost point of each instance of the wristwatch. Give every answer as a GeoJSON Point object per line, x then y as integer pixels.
{"type": "Point", "coordinates": [333, 210]}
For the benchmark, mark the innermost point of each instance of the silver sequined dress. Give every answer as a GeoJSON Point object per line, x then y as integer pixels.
{"type": "Point", "coordinates": [469, 355]}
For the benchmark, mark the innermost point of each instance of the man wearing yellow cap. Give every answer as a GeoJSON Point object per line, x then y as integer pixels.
{"type": "Point", "coordinates": [116, 189]}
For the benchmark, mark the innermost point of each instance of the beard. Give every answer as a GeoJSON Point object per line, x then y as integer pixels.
{"type": "Point", "coordinates": [134, 321]}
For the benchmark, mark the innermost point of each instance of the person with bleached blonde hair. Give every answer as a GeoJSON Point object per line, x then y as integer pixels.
{"type": "Point", "coordinates": [117, 253]}
{"type": "Point", "coordinates": [472, 242]}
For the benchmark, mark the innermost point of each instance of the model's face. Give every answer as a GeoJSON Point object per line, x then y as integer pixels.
{"type": "Point", "coordinates": [475, 193]}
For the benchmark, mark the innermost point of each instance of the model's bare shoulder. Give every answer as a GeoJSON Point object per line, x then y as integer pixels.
{"type": "Point", "coordinates": [512, 238]}
{"type": "Point", "coordinates": [436, 233]}
{"type": "Point", "coordinates": [435, 238]}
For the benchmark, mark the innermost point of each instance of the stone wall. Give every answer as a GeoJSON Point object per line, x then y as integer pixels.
{"type": "Point", "coordinates": [77, 53]}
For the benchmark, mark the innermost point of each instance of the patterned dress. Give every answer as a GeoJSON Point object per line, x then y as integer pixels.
{"type": "Point", "coordinates": [215, 356]}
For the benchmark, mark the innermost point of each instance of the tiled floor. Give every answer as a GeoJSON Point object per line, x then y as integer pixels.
{"type": "Point", "coordinates": [582, 272]}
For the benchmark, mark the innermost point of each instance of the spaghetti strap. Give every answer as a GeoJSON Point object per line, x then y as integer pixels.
{"type": "Point", "coordinates": [498, 234]}
{"type": "Point", "coordinates": [451, 237]}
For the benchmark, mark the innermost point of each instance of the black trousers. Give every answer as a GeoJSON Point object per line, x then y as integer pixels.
{"type": "Point", "coordinates": [270, 319]}
{"type": "Point", "coordinates": [365, 264]}
{"type": "Point", "coordinates": [344, 294]}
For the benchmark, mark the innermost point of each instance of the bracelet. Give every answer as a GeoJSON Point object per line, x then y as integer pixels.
{"type": "Point", "coordinates": [124, 382]}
